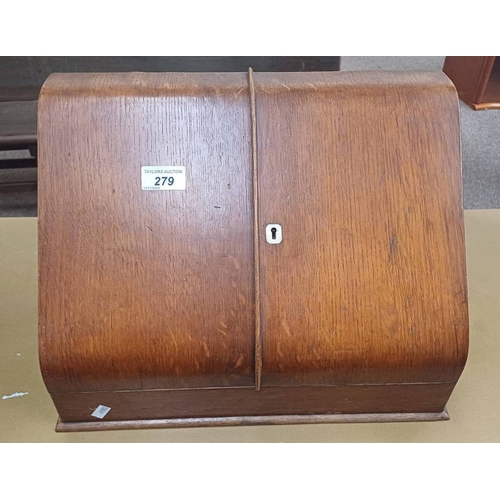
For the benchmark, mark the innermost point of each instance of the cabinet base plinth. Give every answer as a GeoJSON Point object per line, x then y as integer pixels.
{"type": "Point", "coordinates": [246, 406]}
{"type": "Point", "coordinates": [251, 420]}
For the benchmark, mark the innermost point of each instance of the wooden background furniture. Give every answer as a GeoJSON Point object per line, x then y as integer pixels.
{"type": "Point", "coordinates": [172, 309]}
{"type": "Point", "coordinates": [477, 80]}
{"type": "Point", "coordinates": [22, 77]}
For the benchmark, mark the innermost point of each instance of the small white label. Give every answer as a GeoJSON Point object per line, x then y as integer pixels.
{"type": "Point", "coordinates": [101, 411]}
{"type": "Point", "coordinates": [15, 395]}
{"type": "Point", "coordinates": [163, 178]}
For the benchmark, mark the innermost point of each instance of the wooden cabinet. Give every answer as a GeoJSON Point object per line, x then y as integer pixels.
{"type": "Point", "coordinates": [175, 306]}
{"type": "Point", "coordinates": [476, 78]}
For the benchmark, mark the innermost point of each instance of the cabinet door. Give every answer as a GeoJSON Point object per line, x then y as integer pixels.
{"type": "Point", "coordinates": [362, 172]}
{"type": "Point", "coordinates": [145, 289]}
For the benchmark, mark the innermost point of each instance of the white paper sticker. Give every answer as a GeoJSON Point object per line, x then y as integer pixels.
{"type": "Point", "coordinates": [101, 411]}
{"type": "Point", "coordinates": [15, 395]}
{"type": "Point", "coordinates": [163, 178]}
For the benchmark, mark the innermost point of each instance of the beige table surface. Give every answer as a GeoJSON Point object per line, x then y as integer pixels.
{"type": "Point", "coordinates": [474, 406]}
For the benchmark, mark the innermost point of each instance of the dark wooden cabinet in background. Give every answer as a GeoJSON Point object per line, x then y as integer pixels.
{"type": "Point", "coordinates": [477, 80]}
{"type": "Point", "coordinates": [177, 308]}
{"type": "Point", "coordinates": [22, 77]}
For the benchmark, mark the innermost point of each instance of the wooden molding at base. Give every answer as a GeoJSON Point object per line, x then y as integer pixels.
{"type": "Point", "coordinates": [483, 105]}
{"type": "Point", "coordinates": [252, 420]}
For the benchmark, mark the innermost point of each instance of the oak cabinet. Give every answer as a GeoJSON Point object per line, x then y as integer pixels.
{"type": "Point", "coordinates": [231, 248]}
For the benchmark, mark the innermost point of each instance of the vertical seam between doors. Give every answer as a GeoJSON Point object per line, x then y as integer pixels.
{"type": "Point", "coordinates": [256, 229]}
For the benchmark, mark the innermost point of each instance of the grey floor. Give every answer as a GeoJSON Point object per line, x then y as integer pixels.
{"type": "Point", "coordinates": [480, 132]}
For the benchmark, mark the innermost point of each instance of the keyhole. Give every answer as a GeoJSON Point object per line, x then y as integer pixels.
{"type": "Point", "coordinates": [274, 235]}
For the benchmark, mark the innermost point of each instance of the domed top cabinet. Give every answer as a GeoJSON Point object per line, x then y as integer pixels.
{"type": "Point", "coordinates": [231, 248]}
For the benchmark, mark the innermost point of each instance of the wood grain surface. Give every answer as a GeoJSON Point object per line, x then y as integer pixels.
{"type": "Point", "coordinates": [246, 401]}
{"type": "Point", "coordinates": [363, 418]}
{"type": "Point", "coordinates": [172, 305]}
{"type": "Point", "coordinates": [21, 77]}
{"type": "Point", "coordinates": [145, 289]}
{"type": "Point", "coordinates": [369, 283]}
{"type": "Point", "coordinates": [256, 233]}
